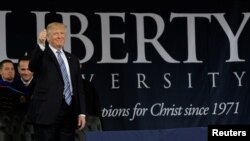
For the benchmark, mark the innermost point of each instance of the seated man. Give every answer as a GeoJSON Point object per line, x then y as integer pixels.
{"type": "Point", "coordinates": [12, 99]}
{"type": "Point", "coordinates": [11, 103]}
{"type": "Point", "coordinates": [7, 71]}
{"type": "Point", "coordinates": [25, 81]}
{"type": "Point", "coordinates": [8, 95]}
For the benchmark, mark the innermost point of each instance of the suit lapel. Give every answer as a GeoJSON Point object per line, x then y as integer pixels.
{"type": "Point", "coordinates": [54, 59]}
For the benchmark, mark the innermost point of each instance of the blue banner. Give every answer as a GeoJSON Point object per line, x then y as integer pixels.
{"type": "Point", "coordinates": [176, 134]}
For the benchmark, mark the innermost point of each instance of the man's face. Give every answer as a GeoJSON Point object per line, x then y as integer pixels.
{"type": "Point", "coordinates": [23, 70]}
{"type": "Point", "coordinates": [56, 37]}
{"type": "Point", "coordinates": [7, 72]}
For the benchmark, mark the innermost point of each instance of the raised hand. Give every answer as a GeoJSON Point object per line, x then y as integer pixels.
{"type": "Point", "coordinates": [42, 37]}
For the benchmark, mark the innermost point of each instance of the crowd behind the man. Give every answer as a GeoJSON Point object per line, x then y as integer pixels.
{"type": "Point", "coordinates": [16, 86]}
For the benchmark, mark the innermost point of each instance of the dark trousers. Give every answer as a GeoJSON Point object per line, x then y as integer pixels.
{"type": "Point", "coordinates": [62, 130]}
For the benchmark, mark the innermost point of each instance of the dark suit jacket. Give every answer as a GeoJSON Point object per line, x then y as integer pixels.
{"type": "Point", "coordinates": [19, 85]}
{"type": "Point", "coordinates": [26, 90]}
{"type": "Point", "coordinates": [12, 101]}
{"type": "Point", "coordinates": [48, 92]}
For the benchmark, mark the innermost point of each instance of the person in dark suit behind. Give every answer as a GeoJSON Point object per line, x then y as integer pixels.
{"type": "Point", "coordinates": [7, 70]}
{"type": "Point", "coordinates": [9, 96]}
{"type": "Point", "coordinates": [26, 77]}
{"type": "Point", "coordinates": [54, 114]}
{"type": "Point", "coordinates": [25, 81]}
{"type": "Point", "coordinates": [12, 104]}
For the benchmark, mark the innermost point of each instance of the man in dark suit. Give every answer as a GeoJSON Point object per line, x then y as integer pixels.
{"type": "Point", "coordinates": [12, 103]}
{"type": "Point", "coordinates": [26, 77]}
{"type": "Point", "coordinates": [54, 111]}
{"type": "Point", "coordinates": [7, 71]}
{"type": "Point", "coordinates": [25, 81]}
